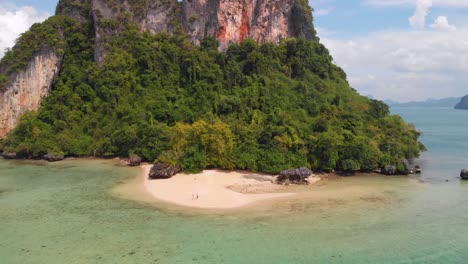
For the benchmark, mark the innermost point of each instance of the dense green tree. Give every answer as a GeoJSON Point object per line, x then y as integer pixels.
{"type": "Point", "coordinates": [257, 107]}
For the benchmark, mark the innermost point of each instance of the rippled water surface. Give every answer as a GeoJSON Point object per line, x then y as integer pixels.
{"type": "Point", "coordinates": [65, 213]}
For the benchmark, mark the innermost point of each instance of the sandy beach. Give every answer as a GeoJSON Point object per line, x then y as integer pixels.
{"type": "Point", "coordinates": [214, 189]}
{"type": "Point", "coordinates": [229, 190]}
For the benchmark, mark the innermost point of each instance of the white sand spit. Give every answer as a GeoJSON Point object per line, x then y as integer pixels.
{"type": "Point", "coordinates": [213, 189]}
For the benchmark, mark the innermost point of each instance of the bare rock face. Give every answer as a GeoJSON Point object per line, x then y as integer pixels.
{"type": "Point", "coordinates": [229, 21]}
{"type": "Point", "coordinates": [464, 174]}
{"type": "Point", "coordinates": [52, 157]}
{"type": "Point", "coordinates": [27, 88]}
{"type": "Point", "coordinates": [163, 171]}
{"type": "Point", "coordinates": [134, 160]}
{"type": "Point", "coordinates": [233, 21]}
{"type": "Point", "coordinates": [8, 155]}
{"type": "Point", "coordinates": [78, 9]}
{"type": "Point", "coordinates": [389, 170]}
{"type": "Point", "coordinates": [296, 176]}
{"type": "Point", "coordinates": [152, 16]}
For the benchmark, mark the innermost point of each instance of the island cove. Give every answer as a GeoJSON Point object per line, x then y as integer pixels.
{"type": "Point", "coordinates": [54, 212]}
{"type": "Point", "coordinates": [210, 189]}
{"type": "Point", "coordinates": [219, 191]}
{"type": "Point", "coordinates": [214, 191]}
{"type": "Point", "coordinates": [248, 126]}
{"type": "Point", "coordinates": [261, 97]}
{"type": "Point", "coordinates": [226, 190]}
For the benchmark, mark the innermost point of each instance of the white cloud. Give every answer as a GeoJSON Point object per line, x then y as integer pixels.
{"type": "Point", "coordinates": [418, 20]}
{"type": "Point", "coordinates": [441, 23]}
{"type": "Point", "coordinates": [14, 21]}
{"type": "Point", "coordinates": [405, 65]}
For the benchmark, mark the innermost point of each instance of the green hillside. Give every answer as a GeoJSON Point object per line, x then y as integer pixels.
{"type": "Point", "coordinates": [255, 107]}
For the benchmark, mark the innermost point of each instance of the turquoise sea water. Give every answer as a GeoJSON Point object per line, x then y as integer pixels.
{"type": "Point", "coordinates": [445, 134]}
{"type": "Point", "coordinates": [65, 213]}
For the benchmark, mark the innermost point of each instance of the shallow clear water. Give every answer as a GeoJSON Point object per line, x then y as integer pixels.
{"type": "Point", "coordinates": [64, 213]}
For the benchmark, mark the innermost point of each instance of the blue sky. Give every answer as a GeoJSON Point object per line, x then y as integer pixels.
{"type": "Point", "coordinates": [43, 5]}
{"type": "Point", "coordinates": [351, 18]}
{"type": "Point", "coordinates": [398, 49]}
{"type": "Point", "coordinates": [391, 49]}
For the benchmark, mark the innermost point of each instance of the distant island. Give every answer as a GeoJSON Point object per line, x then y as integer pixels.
{"type": "Point", "coordinates": [463, 104]}
{"type": "Point", "coordinates": [444, 102]}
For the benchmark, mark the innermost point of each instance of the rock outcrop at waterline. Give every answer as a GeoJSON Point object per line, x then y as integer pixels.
{"type": "Point", "coordinates": [134, 160]}
{"type": "Point", "coordinates": [296, 176]}
{"type": "Point", "coordinates": [464, 174]}
{"type": "Point", "coordinates": [8, 155]}
{"type": "Point", "coordinates": [24, 90]}
{"type": "Point", "coordinates": [389, 170]}
{"type": "Point", "coordinates": [163, 171]}
{"type": "Point", "coordinates": [52, 157]}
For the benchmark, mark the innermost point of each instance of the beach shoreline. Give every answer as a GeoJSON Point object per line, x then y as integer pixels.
{"type": "Point", "coordinates": [240, 191]}
{"type": "Point", "coordinates": [214, 189]}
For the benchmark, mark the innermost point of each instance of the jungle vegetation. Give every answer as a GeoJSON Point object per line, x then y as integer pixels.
{"type": "Point", "coordinates": [255, 107]}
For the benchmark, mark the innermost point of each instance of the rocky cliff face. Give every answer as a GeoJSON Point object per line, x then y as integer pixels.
{"type": "Point", "coordinates": [109, 17]}
{"type": "Point", "coordinates": [233, 21]}
{"type": "Point", "coordinates": [228, 21]}
{"type": "Point", "coordinates": [26, 89]}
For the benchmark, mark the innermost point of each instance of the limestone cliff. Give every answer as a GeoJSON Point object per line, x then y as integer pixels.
{"type": "Point", "coordinates": [26, 88]}
{"type": "Point", "coordinates": [233, 21]}
{"type": "Point", "coordinates": [109, 17]}
{"type": "Point", "coordinates": [228, 21]}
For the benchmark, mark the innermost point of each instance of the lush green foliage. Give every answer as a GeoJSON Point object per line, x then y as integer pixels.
{"type": "Point", "coordinates": [260, 108]}
{"type": "Point", "coordinates": [3, 82]}
{"type": "Point", "coordinates": [49, 34]}
{"type": "Point", "coordinates": [74, 7]}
